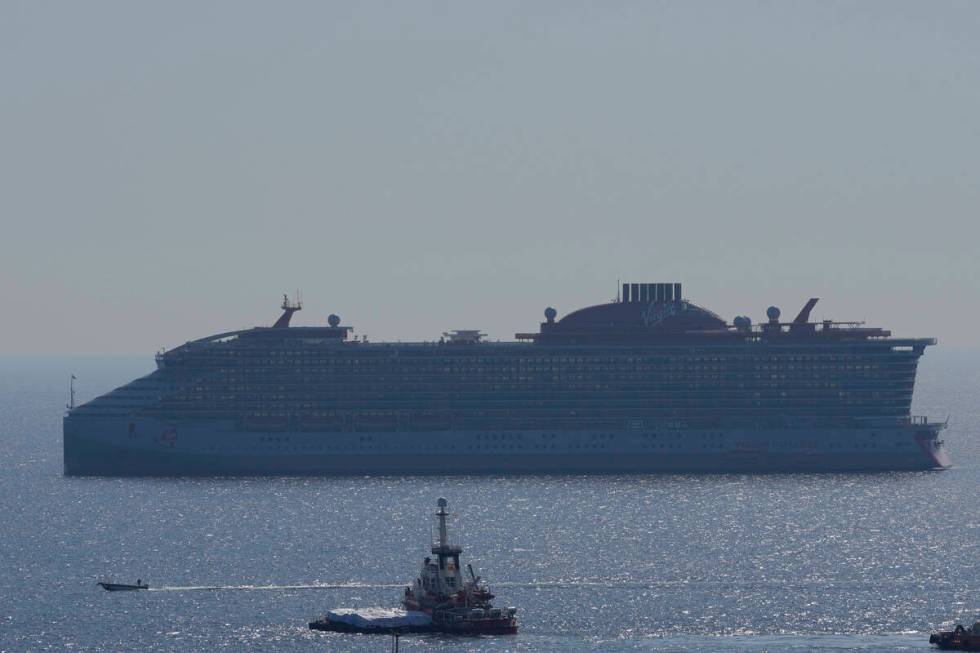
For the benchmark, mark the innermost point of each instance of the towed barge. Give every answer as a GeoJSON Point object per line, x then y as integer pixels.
{"type": "Point", "coordinates": [374, 621]}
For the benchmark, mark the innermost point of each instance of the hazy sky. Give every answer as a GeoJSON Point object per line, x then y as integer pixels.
{"type": "Point", "coordinates": [168, 170]}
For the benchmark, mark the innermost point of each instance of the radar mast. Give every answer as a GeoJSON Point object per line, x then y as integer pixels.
{"type": "Point", "coordinates": [288, 308]}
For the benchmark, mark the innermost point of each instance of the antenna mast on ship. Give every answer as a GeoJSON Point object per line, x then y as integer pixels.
{"type": "Point", "coordinates": [71, 393]}
{"type": "Point", "coordinates": [287, 310]}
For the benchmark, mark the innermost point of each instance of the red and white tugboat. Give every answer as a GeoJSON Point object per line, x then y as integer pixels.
{"type": "Point", "coordinates": [958, 639]}
{"type": "Point", "coordinates": [457, 604]}
{"type": "Point", "coordinates": [441, 600]}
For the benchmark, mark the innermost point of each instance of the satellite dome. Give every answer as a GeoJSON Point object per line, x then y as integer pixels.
{"type": "Point", "coordinates": [442, 503]}
{"type": "Point", "coordinates": [333, 320]}
{"type": "Point", "coordinates": [772, 313]}
{"type": "Point", "coordinates": [550, 314]}
{"type": "Point", "coordinates": [742, 322]}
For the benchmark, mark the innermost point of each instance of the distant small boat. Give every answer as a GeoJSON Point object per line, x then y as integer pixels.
{"type": "Point", "coordinates": [123, 587]}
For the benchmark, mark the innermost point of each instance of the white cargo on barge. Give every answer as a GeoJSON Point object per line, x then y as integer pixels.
{"type": "Point", "coordinates": [373, 620]}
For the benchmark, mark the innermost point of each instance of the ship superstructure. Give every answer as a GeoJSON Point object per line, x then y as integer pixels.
{"type": "Point", "coordinates": [649, 382]}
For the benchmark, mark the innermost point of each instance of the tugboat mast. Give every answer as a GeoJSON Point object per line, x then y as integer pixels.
{"type": "Point", "coordinates": [447, 555]}
{"type": "Point", "coordinates": [442, 514]}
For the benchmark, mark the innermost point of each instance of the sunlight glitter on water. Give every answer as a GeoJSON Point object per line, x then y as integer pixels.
{"type": "Point", "coordinates": [825, 562]}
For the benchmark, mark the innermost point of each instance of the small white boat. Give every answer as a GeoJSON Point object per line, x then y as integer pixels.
{"type": "Point", "coordinates": [123, 587]}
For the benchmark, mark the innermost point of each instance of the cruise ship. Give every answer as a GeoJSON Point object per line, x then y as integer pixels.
{"type": "Point", "coordinates": [648, 382]}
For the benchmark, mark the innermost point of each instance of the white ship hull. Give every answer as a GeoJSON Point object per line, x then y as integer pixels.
{"type": "Point", "coordinates": [141, 446]}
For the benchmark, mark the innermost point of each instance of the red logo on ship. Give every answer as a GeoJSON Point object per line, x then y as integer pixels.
{"type": "Point", "coordinates": [168, 438]}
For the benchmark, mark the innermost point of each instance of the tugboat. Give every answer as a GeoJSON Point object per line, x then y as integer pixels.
{"type": "Point", "coordinates": [440, 600]}
{"type": "Point", "coordinates": [958, 639]}
{"type": "Point", "coordinates": [457, 604]}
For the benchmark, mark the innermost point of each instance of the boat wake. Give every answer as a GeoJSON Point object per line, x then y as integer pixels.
{"type": "Point", "coordinates": [542, 585]}
{"type": "Point", "coordinates": [355, 585]}
{"type": "Point", "coordinates": [317, 586]}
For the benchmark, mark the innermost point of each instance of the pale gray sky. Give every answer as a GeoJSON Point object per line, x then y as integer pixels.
{"type": "Point", "coordinates": [168, 169]}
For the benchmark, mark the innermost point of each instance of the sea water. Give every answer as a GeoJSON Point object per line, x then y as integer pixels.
{"type": "Point", "coordinates": [782, 562]}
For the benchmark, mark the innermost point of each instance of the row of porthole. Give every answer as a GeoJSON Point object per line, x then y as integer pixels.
{"type": "Point", "coordinates": [800, 448]}
{"type": "Point", "coordinates": [433, 447]}
{"type": "Point", "coordinates": [311, 448]}
{"type": "Point", "coordinates": [536, 447]}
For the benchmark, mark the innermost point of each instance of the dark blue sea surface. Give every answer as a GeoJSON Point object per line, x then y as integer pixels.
{"type": "Point", "coordinates": [804, 562]}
